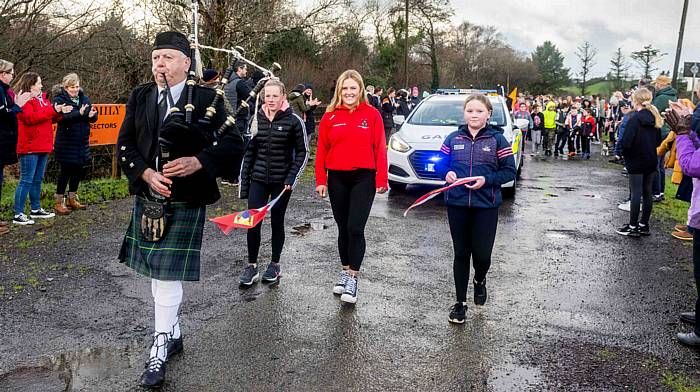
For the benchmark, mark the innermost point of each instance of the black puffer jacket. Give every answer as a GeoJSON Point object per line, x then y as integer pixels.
{"type": "Point", "coordinates": [278, 153]}
{"type": "Point", "coordinates": [639, 143]}
{"type": "Point", "coordinates": [72, 143]}
{"type": "Point", "coordinates": [8, 127]}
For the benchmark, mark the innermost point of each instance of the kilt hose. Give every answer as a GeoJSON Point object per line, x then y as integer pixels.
{"type": "Point", "coordinates": [177, 255]}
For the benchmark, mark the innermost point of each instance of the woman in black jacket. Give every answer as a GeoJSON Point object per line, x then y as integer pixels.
{"type": "Point", "coordinates": [641, 137]}
{"type": "Point", "coordinates": [275, 158]}
{"type": "Point", "coordinates": [72, 144]}
{"type": "Point", "coordinates": [389, 106]}
{"type": "Point", "coordinates": [10, 105]}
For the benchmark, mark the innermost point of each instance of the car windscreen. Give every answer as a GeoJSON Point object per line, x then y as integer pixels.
{"type": "Point", "coordinates": [442, 112]}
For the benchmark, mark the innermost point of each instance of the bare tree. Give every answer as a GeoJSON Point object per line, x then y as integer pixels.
{"type": "Point", "coordinates": [430, 16]}
{"type": "Point", "coordinates": [618, 69]}
{"type": "Point", "coordinates": [586, 54]}
{"type": "Point", "coordinates": [647, 58]}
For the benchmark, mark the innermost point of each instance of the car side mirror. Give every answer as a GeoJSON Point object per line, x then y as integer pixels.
{"type": "Point", "coordinates": [398, 120]}
{"type": "Point", "coordinates": [522, 123]}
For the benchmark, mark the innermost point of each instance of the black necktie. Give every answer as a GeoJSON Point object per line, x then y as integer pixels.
{"type": "Point", "coordinates": [162, 108]}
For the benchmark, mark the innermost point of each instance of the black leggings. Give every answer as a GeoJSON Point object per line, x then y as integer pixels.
{"type": "Point", "coordinates": [473, 232]}
{"type": "Point", "coordinates": [586, 144]}
{"type": "Point", "coordinates": [640, 191]}
{"type": "Point", "coordinates": [562, 137]}
{"type": "Point", "coordinates": [351, 193]}
{"type": "Point", "coordinates": [259, 195]}
{"type": "Point", "coordinates": [70, 176]}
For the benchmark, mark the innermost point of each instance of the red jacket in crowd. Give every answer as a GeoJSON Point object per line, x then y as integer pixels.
{"type": "Point", "coordinates": [349, 140]}
{"type": "Point", "coordinates": [34, 131]}
{"type": "Point", "coordinates": [590, 120]}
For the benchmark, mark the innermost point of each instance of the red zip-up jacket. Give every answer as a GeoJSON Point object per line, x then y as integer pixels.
{"type": "Point", "coordinates": [34, 131]}
{"type": "Point", "coordinates": [349, 140]}
{"type": "Point", "coordinates": [590, 120]}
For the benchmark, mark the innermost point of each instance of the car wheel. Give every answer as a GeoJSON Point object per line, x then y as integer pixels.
{"type": "Point", "coordinates": [509, 193]}
{"type": "Point", "coordinates": [397, 186]}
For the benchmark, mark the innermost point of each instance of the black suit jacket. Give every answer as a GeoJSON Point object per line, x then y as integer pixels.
{"type": "Point", "coordinates": [138, 146]}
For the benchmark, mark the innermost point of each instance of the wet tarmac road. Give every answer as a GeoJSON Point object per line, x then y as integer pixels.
{"type": "Point", "coordinates": [572, 305]}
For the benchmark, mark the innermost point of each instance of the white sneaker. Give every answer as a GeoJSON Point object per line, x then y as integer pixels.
{"type": "Point", "coordinates": [626, 206]}
{"type": "Point", "coordinates": [22, 219]}
{"type": "Point", "coordinates": [41, 214]}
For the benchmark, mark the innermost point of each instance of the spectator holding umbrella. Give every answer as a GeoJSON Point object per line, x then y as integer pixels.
{"type": "Point", "coordinates": [34, 143]}
{"type": "Point", "coordinates": [72, 145]}
{"type": "Point", "coordinates": [10, 105]}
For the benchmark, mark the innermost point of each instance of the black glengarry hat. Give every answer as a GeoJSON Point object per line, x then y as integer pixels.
{"type": "Point", "coordinates": [172, 40]}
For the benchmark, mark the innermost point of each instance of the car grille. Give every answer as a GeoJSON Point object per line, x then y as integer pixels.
{"type": "Point", "coordinates": [420, 160]}
{"type": "Point", "coordinates": [397, 171]}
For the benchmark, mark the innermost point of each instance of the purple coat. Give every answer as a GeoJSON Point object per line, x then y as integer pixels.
{"type": "Point", "coordinates": [688, 153]}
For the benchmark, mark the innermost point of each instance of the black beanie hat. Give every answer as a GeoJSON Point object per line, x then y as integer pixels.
{"type": "Point", "coordinates": [172, 40]}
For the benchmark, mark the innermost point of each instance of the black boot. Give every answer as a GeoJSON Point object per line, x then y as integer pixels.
{"type": "Point", "coordinates": [154, 375]}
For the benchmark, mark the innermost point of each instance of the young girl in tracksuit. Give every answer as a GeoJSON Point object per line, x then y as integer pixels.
{"type": "Point", "coordinates": [479, 151]}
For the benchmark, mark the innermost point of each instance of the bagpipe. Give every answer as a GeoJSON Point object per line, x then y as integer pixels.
{"type": "Point", "coordinates": [183, 137]}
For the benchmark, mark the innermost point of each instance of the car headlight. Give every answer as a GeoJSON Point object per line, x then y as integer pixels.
{"type": "Point", "coordinates": [397, 144]}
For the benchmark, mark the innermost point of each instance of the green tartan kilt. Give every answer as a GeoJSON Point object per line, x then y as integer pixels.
{"type": "Point", "coordinates": [177, 255]}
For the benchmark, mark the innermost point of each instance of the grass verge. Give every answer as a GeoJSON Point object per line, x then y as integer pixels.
{"type": "Point", "coordinates": [90, 192]}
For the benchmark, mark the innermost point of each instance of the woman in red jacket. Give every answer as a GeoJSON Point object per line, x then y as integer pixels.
{"type": "Point", "coordinates": [34, 143]}
{"type": "Point", "coordinates": [351, 166]}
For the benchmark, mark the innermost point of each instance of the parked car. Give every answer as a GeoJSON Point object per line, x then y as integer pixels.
{"type": "Point", "coordinates": [414, 151]}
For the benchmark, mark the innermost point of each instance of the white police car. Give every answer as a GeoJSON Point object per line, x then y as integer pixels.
{"type": "Point", "coordinates": [414, 151]}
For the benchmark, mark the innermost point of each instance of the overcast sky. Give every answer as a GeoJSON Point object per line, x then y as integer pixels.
{"type": "Point", "coordinates": [607, 24]}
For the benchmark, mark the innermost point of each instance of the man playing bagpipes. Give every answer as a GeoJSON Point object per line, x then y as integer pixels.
{"type": "Point", "coordinates": [171, 154]}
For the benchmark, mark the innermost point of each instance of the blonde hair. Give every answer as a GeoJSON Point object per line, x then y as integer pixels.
{"type": "Point", "coordinates": [643, 97]}
{"type": "Point", "coordinates": [70, 80]}
{"type": "Point", "coordinates": [6, 66]}
{"type": "Point", "coordinates": [275, 83]}
{"type": "Point", "coordinates": [337, 98]}
{"type": "Point", "coordinates": [480, 98]}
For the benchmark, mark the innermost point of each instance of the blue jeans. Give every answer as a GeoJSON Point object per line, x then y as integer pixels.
{"type": "Point", "coordinates": [31, 174]}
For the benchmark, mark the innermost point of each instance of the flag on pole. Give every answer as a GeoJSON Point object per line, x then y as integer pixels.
{"type": "Point", "coordinates": [245, 219]}
{"type": "Point", "coordinates": [424, 199]}
{"type": "Point", "coordinates": [513, 95]}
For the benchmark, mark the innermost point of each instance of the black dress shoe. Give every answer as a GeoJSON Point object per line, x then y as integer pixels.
{"type": "Point", "coordinates": [154, 375]}
{"type": "Point", "coordinates": [689, 339]}
{"type": "Point", "coordinates": [688, 317]}
{"type": "Point", "coordinates": [174, 346]}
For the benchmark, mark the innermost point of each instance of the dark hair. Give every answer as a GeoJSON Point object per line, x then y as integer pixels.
{"type": "Point", "coordinates": [390, 90]}
{"type": "Point", "coordinates": [25, 82]}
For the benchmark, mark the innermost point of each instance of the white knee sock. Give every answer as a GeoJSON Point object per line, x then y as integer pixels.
{"type": "Point", "coordinates": [167, 296]}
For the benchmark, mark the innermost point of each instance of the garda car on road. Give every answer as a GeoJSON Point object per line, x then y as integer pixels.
{"type": "Point", "coordinates": [414, 151]}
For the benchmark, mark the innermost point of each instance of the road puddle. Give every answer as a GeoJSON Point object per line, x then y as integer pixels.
{"type": "Point", "coordinates": [307, 228]}
{"type": "Point", "coordinates": [74, 371]}
{"type": "Point", "coordinates": [515, 378]}
{"type": "Point", "coordinates": [559, 234]}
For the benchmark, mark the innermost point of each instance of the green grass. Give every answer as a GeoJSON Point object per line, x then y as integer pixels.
{"type": "Point", "coordinates": [604, 88]}
{"type": "Point", "coordinates": [680, 383]}
{"type": "Point", "coordinates": [90, 192]}
{"type": "Point", "coordinates": [671, 209]}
